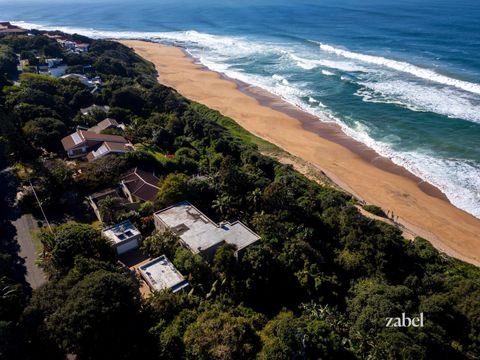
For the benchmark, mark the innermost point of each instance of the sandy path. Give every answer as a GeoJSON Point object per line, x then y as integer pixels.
{"type": "Point", "coordinates": [449, 229]}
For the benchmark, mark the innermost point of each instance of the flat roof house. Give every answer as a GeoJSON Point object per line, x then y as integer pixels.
{"type": "Point", "coordinates": [124, 236]}
{"type": "Point", "coordinates": [84, 143]}
{"type": "Point", "coordinates": [160, 274]}
{"type": "Point", "coordinates": [200, 234]}
{"type": "Point", "coordinates": [139, 185]}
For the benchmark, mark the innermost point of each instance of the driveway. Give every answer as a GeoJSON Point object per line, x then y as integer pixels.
{"type": "Point", "coordinates": [25, 226]}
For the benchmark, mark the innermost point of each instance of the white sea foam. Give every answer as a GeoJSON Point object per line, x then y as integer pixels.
{"type": "Point", "coordinates": [458, 179]}
{"type": "Point", "coordinates": [327, 73]}
{"type": "Point", "coordinates": [404, 67]}
{"type": "Point", "coordinates": [417, 97]}
{"type": "Point", "coordinates": [309, 64]}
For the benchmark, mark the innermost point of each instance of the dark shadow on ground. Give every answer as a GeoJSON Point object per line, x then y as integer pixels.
{"type": "Point", "coordinates": [9, 247]}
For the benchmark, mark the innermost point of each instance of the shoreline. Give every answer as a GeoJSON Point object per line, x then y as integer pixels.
{"type": "Point", "coordinates": [326, 129]}
{"type": "Point", "coordinates": [422, 208]}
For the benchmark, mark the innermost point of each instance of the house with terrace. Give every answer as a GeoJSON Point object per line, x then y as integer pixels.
{"type": "Point", "coordinates": [200, 234]}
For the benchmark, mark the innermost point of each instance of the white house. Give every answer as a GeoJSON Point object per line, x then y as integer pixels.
{"type": "Point", "coordinates": [160, 274]}
{"type": "Point", "coordinates": [200, 234]}
{"type": "Point", "coordinates": [124, 236]}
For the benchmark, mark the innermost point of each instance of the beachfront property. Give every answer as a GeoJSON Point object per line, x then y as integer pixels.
{"type": "Point", "coordinates": [69, 45]}
{"type": "Point", "coordinates": [200, 234]}
{"type": "Point", "coordinates": [160, 274]}
{"type": "Point", "coordinates": [88, 82]}
{"type": "Point", "coordinates": [8, 29]}
{"type": "Point", "coordinates": [90, 145]}
{"type": "Point", "coordinates": [139, 185]}
{"type": "Point", "coordinates": [124, 236]}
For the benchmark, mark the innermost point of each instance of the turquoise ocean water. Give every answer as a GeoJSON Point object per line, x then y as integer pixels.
{"type": "Point", "coordinates": [402, 77]}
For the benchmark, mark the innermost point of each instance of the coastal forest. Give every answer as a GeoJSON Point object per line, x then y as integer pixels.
{"type": "Point", "coordinates": [320, 284]}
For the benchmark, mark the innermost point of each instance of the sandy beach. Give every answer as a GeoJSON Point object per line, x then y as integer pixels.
{"type": "Point", "coordinates": [421, 208]}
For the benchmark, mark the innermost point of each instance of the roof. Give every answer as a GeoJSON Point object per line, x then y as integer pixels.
{"type": "Point", "coordinates": [104, 124]}
{"type": "Point", "coordinates": [161, 274]}
{"type": "Point", "coordinates": [94, 107]}
{"type": "Point", "coordinates": [81, 136]}
{"type": "Point", "coordinates": [110, 147]}
{"type": "Point", "coordinates": [141, 184]}
{"type": "Point", "coordinates": [200, 233]}
{"type": "Point", "coordinates": [122, 232]}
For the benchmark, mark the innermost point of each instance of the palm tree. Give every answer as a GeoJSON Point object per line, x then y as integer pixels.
{"type": "Point", "coordinates": [254, 197]}
{"type": "Point", "coordinates": [222, 204]}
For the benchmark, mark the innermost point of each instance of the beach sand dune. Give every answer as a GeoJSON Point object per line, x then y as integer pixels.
{"type": "Point", "coordinates": [422, 209]}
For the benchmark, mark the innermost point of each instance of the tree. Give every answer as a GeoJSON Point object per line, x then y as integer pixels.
{"type": "Point", "coordinates": [70, 241]}
{"type": "Point", "coordinates": [109, 208]}
{"type": "Point", "coordinates": [173, 188]}
{"type": "Point", "coordinates": [224, 334]}
{"type": "Point", "coordinates": [305, 337]}
{"type": "Point", "coordinates": [162, 243]}
{"type": "Point", "coordinates": [8, 61]}
{"type": "Point", "coordinates": [222, 204]}
{"type": "Point", "coordinates": [99, 318]}
{"type": "Point", "coordinates": [45, 133]}
{"type": "Point", "coordinates": [193, 267]}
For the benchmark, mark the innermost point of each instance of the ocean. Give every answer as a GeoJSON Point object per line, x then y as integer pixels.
{"type": "Point", "coordinates": [403, 77]}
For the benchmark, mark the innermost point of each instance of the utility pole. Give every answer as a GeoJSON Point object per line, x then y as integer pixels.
{"type": "Point", "coordinates": [40, 206]}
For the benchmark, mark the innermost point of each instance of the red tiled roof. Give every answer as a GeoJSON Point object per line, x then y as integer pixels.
{"type": "Point", "coordinates": [90, 135]}
{"type": "Point", "coordinates": [115, 146]}
{"type": "Point", "coordinates": [114, 141]}
{"type": "Point", "coordinates": [141, 184]}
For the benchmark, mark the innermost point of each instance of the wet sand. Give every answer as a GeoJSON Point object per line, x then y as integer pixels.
{"type": "Point", "coordinates": [421, 208]}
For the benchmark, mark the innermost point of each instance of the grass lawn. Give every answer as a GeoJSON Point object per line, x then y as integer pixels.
{"type": "Point", "coordinates": [149, 149]}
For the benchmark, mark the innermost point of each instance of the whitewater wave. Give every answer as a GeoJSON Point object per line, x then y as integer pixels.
{"type": "Point", "coordinates": [458, 179]}
{"type": "Point", "coordinates": [327, 73]}
{"type": "Point", "coordinates": [309, 64]}
{"type": "Point", "coordinates": [404, 67]}
{"type": "Point", "coordinates": [416, 97]}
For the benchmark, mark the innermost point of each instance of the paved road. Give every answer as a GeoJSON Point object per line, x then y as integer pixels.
{"type": "Point", "coordinates": [25, 225]}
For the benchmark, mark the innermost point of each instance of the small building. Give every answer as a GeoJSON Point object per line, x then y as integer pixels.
{"type": "Point", "coordinates": [53, 62]}
{"type": "Point", "coordinates": [200, 234]}
{"type": "Point", "coordinates": [82, 47]}
{"type": "Point", "coordinates": [124, 236]}
{"type": "Point", "coordinates": [160, 274]}
{"type": "Point", "coordinates": [84, 143]}
{"type": "Point", "coordinates": [139, 185]}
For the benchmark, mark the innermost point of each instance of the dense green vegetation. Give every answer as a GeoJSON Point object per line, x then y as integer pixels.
{"type": "Point", "coordinates": [374, 209]}
{"type": "Point", "coordinates": [319, 285]}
